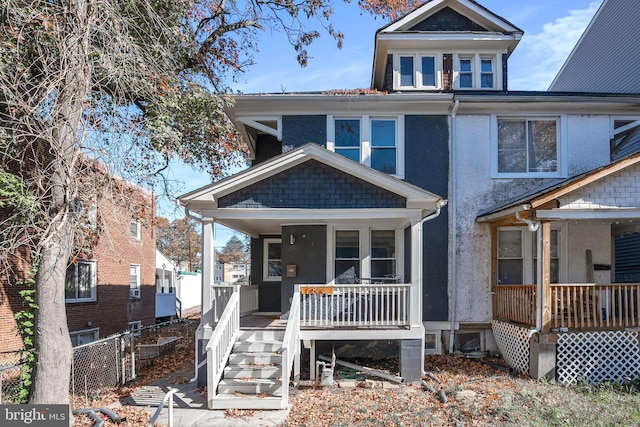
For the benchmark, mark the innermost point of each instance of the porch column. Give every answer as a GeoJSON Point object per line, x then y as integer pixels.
{"type": "Point", "coordinates": [545, 292]}
{"type": "Point", "coordinates": [208, 268]}
{"type": "Point", "coordinates": [204, 330]}
{"type": "Point", "coordinates": [542, 362]}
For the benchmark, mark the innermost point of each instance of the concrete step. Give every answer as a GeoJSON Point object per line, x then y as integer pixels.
{"type": "Point", "coordinates": [255, 358]}
{"type": "Point", "coordinates": [253, 371]}
{"type": "Point", "coordinates": [261, 335]}
{"type": "Point", "coordinates": [234, 401]}
{"type": "Point", "coordinates": [257, 347]}
{"type": "Point", "coordinates": [251, 386]}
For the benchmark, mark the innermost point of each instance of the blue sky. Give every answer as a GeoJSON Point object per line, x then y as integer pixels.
{"type": "Point", "coordinates": [551, 27]}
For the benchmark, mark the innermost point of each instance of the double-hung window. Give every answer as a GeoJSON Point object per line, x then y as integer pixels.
{"type": "Point", "coordinates": [466, 72]}
{"type": "Point", "coordinates": [416, 71]}
{"type": "Point", "coordinates": [135, 229]}
{"type": "Point", "coordinates": [134, 281]}
{"type": "Point", "coordinates": [365, 253]}
{"type": "Point", "coordinates": [80, 282]}
{"type": "Point", "coordinates": [374, 141]}
{"type": "Point", "coordinates": [517, 256]}
{"type": "Point", "coordinates": [528, 147]}
{"type": "Point", "coordinates": [477, 71]}
{"type": "Point", "coordinates": [486, 73]}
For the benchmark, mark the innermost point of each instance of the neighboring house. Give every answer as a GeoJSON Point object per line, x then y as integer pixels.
{"type": "Point", "coordinates": [607, 50]}
{"type": "Point", "coordinates": [346, 206]}
{"type": "Point", "coordinates": [166, 283]}
{"type": "Point", "coordinates": [234, 273]}
{"type": "Point", "coordinates": [111, 285]}
{"type": "Point", "coordinates": [110, 282]}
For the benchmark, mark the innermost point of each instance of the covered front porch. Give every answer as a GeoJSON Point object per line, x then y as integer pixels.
{"type": "Point", "coordinates": [560, 309]}
{"type": "Point", "coordinates": [336, 251]}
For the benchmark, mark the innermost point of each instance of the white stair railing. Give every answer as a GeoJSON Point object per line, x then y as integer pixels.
{"type": "Point", "coordinates": [221, 343]}
{"type": "Point", "coordinates": [291, 348]}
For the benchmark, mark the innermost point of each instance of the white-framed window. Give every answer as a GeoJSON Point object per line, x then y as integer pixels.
{"type": "Point", "coordinates": [80, 282]}
{"type": "Point", "coordinates": [465, 70]}
{"type": "Point", "coordinates": [135, 229]}
{"type": "Point", "coordinates": [487, 73]}
{"type": "Point", "coordinates": [272, 265]}
{"type": "Point", "coordinates": [134, 281]}
{"type": "Point", "coordinates": [417, 71]}
{"type": "Point", "coordinates": [376, 141]}
{"type": "Point", "coordinates": [528, 147]}
{"type": "Point", "coordinates": [368, 253]}
{"type": "Point", "coordinates": [517, 256]}
{"type": "Point", "coordinates": [477, 71]}
{"type": "Point", "coordinates": [85, 336]}
{"type": "Point", "coordinates": [135, 327]}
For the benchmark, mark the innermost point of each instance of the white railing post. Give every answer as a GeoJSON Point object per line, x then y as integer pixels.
{"type": "Point", "coordinates": [222, 339]}
{"type": "Point", "coordinates": [291, 347]}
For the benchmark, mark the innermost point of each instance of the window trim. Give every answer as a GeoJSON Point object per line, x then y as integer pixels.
{"type": "Point", "coordinates": [95, 331]}
{"type": "Point", "coordinates": [135, 293]}
{"type": "Point", "coordinates": [265, 260]}
{"type": "Point", "coordinates": [528, 257]}
{"type": "Point", "coordinates": [561, 144]}
{"type": "Point", "coordinates": [365, 248]}
{"type": "Point", "coordinates": [94, 282]}
{"type": "Point", "coordinates": [365, 137]}
{"type": "Point", "coordinates": [476, 69]}
{"type": "Point", "coordinates": [438, 65]}
{"type": "Point", "coordinates": [138, 224]}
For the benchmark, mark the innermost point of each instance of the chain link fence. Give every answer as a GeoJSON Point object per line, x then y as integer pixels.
{"type": "Point", "coordinates": [100, 365]}
{"type": "Point", "coordinates": [10, 384]}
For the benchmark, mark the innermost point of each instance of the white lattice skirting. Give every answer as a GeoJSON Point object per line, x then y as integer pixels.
{"type": "Point", "coordinates": [607, 356]}
{"type": "Point", "coordinates": [513, 343]}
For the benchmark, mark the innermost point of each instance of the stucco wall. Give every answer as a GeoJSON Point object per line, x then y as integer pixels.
{"type": "Point", "coordinates": [475, 191]}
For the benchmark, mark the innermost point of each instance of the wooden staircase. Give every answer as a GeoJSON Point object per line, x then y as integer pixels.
{"type": "Point", "coordinates": [252, 378]}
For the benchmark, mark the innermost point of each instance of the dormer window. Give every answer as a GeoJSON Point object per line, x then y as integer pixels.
{"type": "Point", "coordinates": [417, 71]}
{"type": "Point", "coordinates": [466, 73]}
{"type": "Point", "coordinates": [476, 71]}
{"type": "Point", "coordinates": [486, 73]}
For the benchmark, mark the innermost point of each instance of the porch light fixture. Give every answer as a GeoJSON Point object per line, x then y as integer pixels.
{"type": "Point", "coordinates": [292, 239]}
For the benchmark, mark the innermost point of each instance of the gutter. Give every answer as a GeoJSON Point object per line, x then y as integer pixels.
{"type": "Point", "coordinates": [454, 225]}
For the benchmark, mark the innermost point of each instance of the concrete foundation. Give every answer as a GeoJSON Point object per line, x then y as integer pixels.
{"type": "Point", "coordinates": [411, 360]}
{"type": "Point", "coordinates": [542, 363]}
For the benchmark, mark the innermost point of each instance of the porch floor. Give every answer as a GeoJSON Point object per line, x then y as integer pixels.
{"type": "Point", "coordinates": [262, 321]}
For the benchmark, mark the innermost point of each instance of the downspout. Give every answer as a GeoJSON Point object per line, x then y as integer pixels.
{"type": "Point", "coordinates": [454, 224]}
{"type": "Point", "coordinates": [439, 205]}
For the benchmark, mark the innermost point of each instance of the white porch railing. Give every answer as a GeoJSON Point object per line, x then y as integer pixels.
{"type": "Point", "coordinates": [291, 348]}
{"type": "Point", "coordinates": [220, 294]}
{"type": "Point", "coordinates": [224, 336]}
{"type": "Point", "coordinates": [354, 305]}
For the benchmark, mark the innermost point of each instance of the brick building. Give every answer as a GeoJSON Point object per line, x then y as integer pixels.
{"type": "Point", "coordinates": [110, 284]}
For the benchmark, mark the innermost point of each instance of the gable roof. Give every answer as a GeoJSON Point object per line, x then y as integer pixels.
{"type": "Point", "coordinates": [206, 198]}
{"type": "Point", "coordinates": [608, 49]}
{"type": "Point", "coordinates": [414, 31]}
{"type": "Point", "coordinates": [546, 196]}
{"type": "Point", "coordinates": [467, 8]}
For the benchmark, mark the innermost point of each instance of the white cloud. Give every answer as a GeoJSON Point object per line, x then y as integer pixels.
{"type": "Point", "coordinates": [538, 58]}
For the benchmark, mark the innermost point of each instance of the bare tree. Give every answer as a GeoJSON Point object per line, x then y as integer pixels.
{"type": "Point", "coordinates": [94, 90]}
{"type": "Point", "coordinates": [180, 241]}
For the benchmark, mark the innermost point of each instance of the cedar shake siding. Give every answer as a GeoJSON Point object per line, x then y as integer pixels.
{"type": "Point", "coordinates": [312, 185]}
